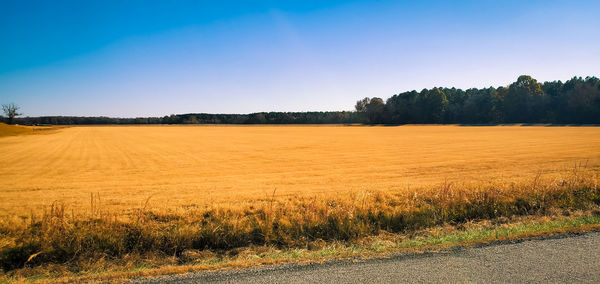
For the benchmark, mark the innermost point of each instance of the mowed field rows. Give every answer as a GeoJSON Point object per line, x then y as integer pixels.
{"type": "Point", "coordinates": [180, 166]}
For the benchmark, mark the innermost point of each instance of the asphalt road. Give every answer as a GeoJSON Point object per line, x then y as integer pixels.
{"type": "Point", "coordinates": [572, 259]}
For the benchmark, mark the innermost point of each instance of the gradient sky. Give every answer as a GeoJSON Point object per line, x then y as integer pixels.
{"type": "Point", "coordinates": [154, 58]}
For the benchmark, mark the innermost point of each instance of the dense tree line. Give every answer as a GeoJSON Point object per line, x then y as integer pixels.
{"type": "Point", "coordinates": [576, 101]}
{"type": "Point", "coordinates": [524, 101]}
{"type": "Point", "coordinates": [329, 117]}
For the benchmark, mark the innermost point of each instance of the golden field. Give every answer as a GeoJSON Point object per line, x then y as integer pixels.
{"type": "Point", "coordinates": [183, 166]}
{"type": "Point", "coordinates": [80, 200]}
{"type": "Point", "coordinates": [11, 130]}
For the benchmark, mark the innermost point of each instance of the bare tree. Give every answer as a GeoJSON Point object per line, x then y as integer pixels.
{"type": "Point", "coordinates": [10, 110]}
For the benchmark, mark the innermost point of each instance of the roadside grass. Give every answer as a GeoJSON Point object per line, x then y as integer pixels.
{"type": "Point", "coordinates": [539, 227]}
{"type": "Point", "coordinates": [437, 239]}
{"type": "Point", "coordinates": [85, 245]}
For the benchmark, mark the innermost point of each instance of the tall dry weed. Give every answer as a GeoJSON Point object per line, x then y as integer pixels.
{"type": "Point", "coordinates": [57, 237]}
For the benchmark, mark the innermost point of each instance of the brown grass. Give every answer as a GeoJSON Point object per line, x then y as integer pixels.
{"type": "Point", "coordinates": [77, 240]}
{"type": "Point", "coordinates": [189, 167]}
{"type": "Point", "coordinates": [13, 130]}
{"type": "Point", "coordinates": [84, 197]}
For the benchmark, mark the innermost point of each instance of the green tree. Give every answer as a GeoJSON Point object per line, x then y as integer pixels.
{"type": "Point", "coordinates": [257, 118]}
{"type": "Point", "coordinates": [191, 120]}
{"type": "Point", "coordinates": [361, 105]}
{"type": "Point", "coordinates": [583, 101]}
{"type": "Point", "coordinates": [556, 102]}
{"type": "Point", "coordinates": [524, 101]}
{"type": "Point", "coordinates": [402, 107]}
{"type": "Point", "coordinates": [375, 110]}
{"type": "Point", "coordinates": [361, 109]}
{"type": "Point", "coordinates": [456, 100]}
{"type": "Point", "coordinates": [432, 104]}
{"type": "Point", "coordinates": [480, 105]}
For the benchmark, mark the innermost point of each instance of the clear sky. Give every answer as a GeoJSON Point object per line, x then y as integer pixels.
{"type": "Point", "coordinates": [154, 58]}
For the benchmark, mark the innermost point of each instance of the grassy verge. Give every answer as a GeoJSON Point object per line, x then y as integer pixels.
{"type": "Point", "coordinates": [59, 244]}
{"type": "Point", "coordinates": [432, 239]}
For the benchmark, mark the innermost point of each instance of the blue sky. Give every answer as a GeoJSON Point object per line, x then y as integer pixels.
{"type": "Point", "coordinates": [154, 58]}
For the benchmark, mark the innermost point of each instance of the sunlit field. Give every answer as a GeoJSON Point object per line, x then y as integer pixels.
{"type": "Point", "coordinates": [81, 199]}
{"type": "Point", "coordinates": [188, 166]}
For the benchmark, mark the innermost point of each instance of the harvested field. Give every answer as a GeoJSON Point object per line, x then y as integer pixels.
{"type": "Point", "coordinates": [84, 199]}
{"type": "Point", "coordinates": [13, 130]}
{"type": "Point", "coordinates": [190, 166]}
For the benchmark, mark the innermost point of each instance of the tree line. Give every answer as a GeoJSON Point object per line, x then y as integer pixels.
{"type": "Point", "coordinates": [314, 117]}
{"type": "Point", "coordinates": [576, 101]}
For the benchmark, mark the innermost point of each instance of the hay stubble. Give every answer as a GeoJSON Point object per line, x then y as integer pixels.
{"type": "Point", "coordinates": [197, 165]}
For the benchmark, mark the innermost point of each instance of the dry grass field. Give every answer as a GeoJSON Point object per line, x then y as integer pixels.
{"type": "Point", "coordinates": [12, 130]}
{"type": "Point", "coordinates": [183, 166]}
{"type": "Point", "coordinates": [80, 200]}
